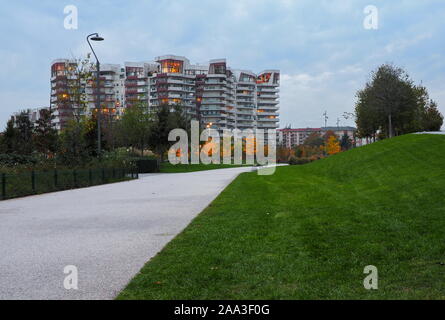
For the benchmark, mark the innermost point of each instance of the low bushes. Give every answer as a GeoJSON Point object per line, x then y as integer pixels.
{"type": "Point", "coordinates": [299, 161]}
{"type": "Point", "coordinates": [11, 160]}
{"type": "Point", "coordinates": [146, 165]}
{"type": "Point", "coordinates": [20, 184]}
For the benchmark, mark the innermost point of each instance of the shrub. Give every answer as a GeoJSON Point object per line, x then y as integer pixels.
{"type": "Point", "coordinates": [299, 161]}
{"type": "Point", "coordinates": [12, 160]}
{"type": "Point", "coordinates": [146, 165]}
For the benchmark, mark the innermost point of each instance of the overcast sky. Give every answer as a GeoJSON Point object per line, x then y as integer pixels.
{"type": "Point", "coordinates": [321, 46]}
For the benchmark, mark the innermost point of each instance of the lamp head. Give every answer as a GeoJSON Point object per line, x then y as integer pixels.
{"type": "Point", "coordinates": [96, 37]}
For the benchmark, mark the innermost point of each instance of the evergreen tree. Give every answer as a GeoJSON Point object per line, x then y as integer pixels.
{"type": "Point", "coordinates": [45, 136]}
{"type": "Point", "coordinates": [432, 118]}
{"type": "Point", "coordinates": [165, 118]}
{"type": "Point", "coordinates": [345, 142]}
{"type": "Point", "coordinates": [9, 139]}
{"type": "Point", "coordinates": [73, 147]}
{"type": "Point", "coordinates": [25, 130]}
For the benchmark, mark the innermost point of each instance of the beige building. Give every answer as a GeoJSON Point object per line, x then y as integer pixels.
{"type": "Point", "coordinates": [291, 138]}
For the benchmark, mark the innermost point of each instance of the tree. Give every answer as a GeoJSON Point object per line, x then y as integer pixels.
{"type": "Point", "coordinates": [367, 119]}
{"type": "Point", "coordinates": [90, 136]}
{"type": "Point", "coordinates": [314, 140]}
{"type": "Point", "coordinates": [329, 134]}
{"type": "Point", "coordinates": [79, 77]}
{"type": "Point", "coordinates": [391, 88]}
{"type": "Point", "coordinates": [283, 154]}
{"type": "Point", "coordinates": [25, 130]}
{"type": "Point", "coordinates": [299, 150]}
{"type": "Point", "coordinates": [9, 138]}
{"type": "Point", "coordinates": [133, 128]}
{"type": "Point", "coordinates": [45, 136]}
{"type": "Point", "coordinates": [73, 149]}
{"type": "Point", "coordinates": [392, 104]}
{"type": "Point", "coordinates": [432, 118]}
{"type": "Point", "coordinates": [345, 142]}
{"type": "Point", "coordinates": [333, 146]}
{"type": "Point", "coordinates": [165, 118]}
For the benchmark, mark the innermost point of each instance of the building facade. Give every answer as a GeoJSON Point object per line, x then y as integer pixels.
{"type": "Point", "coordinates": [267, 116]}
{"type": "Point", "coordinates": [62, 82]}
{"type": "Point", "coordinates": [112, 91]}
{"type": "Point", "coordinates": [33, 115]}
{"type": "Point", "coordinates": [74, 92]}
{"type": "Point", "coordinates": [290, 138]}
{"type": "Point", "coordinates": [213, 93]}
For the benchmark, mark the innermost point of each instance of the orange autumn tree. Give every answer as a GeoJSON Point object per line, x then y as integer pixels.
{"type": "Point", "coordinates": [333, 146]}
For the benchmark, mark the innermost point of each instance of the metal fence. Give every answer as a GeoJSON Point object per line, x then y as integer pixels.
{"type": "Point", "coordinates": [15, 185]}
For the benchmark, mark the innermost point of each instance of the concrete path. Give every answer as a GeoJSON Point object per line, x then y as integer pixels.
{"type": "Point", "coordinates": [108, 232]}
{"type": "Point", "coordinates": [431, 132]}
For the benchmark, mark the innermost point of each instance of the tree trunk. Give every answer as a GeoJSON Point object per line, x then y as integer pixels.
{"type": "Point", "coordinates": [390, 126]}
{"type": "Point", "coordinates": [159, 160]}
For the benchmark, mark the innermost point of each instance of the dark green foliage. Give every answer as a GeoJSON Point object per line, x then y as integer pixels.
{"type": "Point", "coordinates": [165, 119]}
{"type": "Point", "coordinates": [345, 142]}
{"type": "Point", "coordinates": [74, 148]}
{"type": "Point", "coordinates": [314, 140]}
{"type": "Point", "coordinates": [45, 136]}
{"type": "Point", "coordinates": [134, 127]}
{"type": "Point", "coordinates": [9, 138]}
{"type": "Point", "coordinates": [20, 184]}
{"type": "Point", "coordinates": [12, 160]}
{"type": "Point", "coordinates": [24, 134]}
{"type": "Point", "coordinates": [299, 161]}
{"type": "Point", "coordinates": [391, 103]}
{"type": "Point", "coordinates": [432, 118]}
{"type": "Point", "coordinates": [146, 165]}
{"type": "Point", "coordinates": [90, 136]}
{"type": "Point", "coordinates": [298, 152]}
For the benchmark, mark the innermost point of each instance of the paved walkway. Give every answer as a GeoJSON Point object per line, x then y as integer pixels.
{"type": "Point", "coordinates": [108, 232]}
{"type": "Point", "coordinates": [431, 132]}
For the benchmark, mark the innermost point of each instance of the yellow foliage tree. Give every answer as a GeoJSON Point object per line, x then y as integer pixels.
{"type": "Point", "coordinates": [333, 145]}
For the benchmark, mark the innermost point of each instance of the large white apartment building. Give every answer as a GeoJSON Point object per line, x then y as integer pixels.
{"type": "Point", "coordinates": [112, 90]}
{"type": "Point", "coordinates": [213, 93]}
{"type": "Point", "coordinates": [71, 96]}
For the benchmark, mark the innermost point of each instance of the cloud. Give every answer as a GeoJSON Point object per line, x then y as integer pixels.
{"type": "Point", "coordinates": [321, 47]}
{"type": "Point", "coordinates": [404, 43]}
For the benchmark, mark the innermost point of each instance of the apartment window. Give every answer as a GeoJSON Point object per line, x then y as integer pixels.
{"type": "Point", "coordinates": [220, 69]}
{"type": "Point", "coordinates": [171, 66]}
{"type": "Point", "coordinates": [264, 78]}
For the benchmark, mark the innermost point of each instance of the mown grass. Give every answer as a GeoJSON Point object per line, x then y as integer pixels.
{"type": "Point", "coordinates": [167, 167]}
{"type": "Point", "coordinates": [307, 232]}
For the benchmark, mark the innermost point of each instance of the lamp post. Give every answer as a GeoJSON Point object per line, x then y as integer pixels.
{"type": "Point", "coordinates": [96, 37]}
{"type": "Point", "coordinates": [325, 115]}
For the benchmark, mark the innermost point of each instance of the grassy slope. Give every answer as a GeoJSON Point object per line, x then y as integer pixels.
{"type": "Point", "coordinates": [308, 231]}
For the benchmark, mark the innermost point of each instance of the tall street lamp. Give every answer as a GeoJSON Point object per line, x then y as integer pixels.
{"type": "Point", "coordinates": [96, 37]}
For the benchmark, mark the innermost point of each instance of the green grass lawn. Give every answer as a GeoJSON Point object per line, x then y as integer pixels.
{"type": "Point", "coordinates": [167, 167]}
{"type": "Point", "coordinates": [307, 232]}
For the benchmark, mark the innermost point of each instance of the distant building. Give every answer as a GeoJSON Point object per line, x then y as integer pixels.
{"type": "Point", "coordinates": [340, 131]}
{"type": "Point", "coordinates": [291, 138]}
{"type": "Point", "coordinates": [33, 114]}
